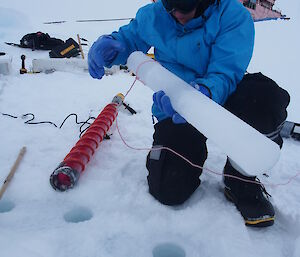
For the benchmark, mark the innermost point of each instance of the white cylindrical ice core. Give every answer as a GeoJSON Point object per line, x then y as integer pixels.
{"type": "Point", "coordinates": [249, 149]}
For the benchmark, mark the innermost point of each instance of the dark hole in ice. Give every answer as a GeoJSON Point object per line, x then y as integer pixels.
{"type": "Point", "coordinates": [6, 206]}
{"type": "Point", "coordinates": [78, 214]}
{"type": "Point", "coordinates": [168, 250]}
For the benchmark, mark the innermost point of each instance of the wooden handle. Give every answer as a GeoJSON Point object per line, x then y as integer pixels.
{"type": "Point", "coordinates": [12, 171]}
{"type": "Point", "coordinates": [80, 46]}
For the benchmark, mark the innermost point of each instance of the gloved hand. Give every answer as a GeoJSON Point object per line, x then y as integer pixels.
{"type": "Point", "coordinates": [162, 101]}
{"type": "Point", "coordinates": [201, 88]}
{"type": "Point", "coordinates": [102, 53]}
{"type": "Point", "coordinates": [163, 104]}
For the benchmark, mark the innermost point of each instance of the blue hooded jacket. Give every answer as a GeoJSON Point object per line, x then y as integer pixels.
{"type": "Point", "coordinates": [213, 50]}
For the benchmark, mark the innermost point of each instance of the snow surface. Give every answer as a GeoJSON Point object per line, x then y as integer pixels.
{"type": "Point", "coordinates": [118, 216]}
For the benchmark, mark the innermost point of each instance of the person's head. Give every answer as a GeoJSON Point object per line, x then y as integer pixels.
{"type": "Point", "coordinates": [182, 10]}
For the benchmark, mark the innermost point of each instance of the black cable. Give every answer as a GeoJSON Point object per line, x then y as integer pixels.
{"type": "Point", "coordinates": [81, 123]}
{"type": "Point", "coordinates": [36, 123]}
{"type": "Point", "coordinates": [9, 115]}
{"type": "Point", "coordinates": [84, 123]}
{"type": "Point", "coordinates": [87, 122]}
{"type": "Point", "coordinates": [30, 121]}
{"type": "Point", "coordinates": [76, 120]}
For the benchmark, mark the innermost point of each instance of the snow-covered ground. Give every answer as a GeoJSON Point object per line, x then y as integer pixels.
{"type": "Point", "coordinates": [119, 217]}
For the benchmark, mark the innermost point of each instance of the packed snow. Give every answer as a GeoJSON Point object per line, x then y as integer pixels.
{"type": "Point", "coordinates": [110, 213]}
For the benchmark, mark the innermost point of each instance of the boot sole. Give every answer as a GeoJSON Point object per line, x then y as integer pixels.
{"type": "Point", "coordinates": [260, 222]}
{"type": "Point", "coordinates": [264, 222]}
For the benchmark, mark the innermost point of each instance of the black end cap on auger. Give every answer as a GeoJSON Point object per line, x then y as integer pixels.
{"type": "Point", "coordinates": [64, 178]}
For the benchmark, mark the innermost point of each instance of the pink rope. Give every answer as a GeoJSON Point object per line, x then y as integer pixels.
{"type": "Point", "coordinates": [186, 159]}
{"type": "Point", "coordinates": [136, 77]}
{"type": "Point", "coordinates": [200, 167]}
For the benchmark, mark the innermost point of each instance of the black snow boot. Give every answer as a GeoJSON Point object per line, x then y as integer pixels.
{"type": "Point", "coordinates": [251, 199]}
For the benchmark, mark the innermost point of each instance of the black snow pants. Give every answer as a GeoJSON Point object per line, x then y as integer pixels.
{"type": "Point", "coordinates": [258, 100]}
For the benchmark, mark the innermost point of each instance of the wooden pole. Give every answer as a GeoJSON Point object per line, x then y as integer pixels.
{"type": "Point", "coordinates": [12, 171]}
{"type": "Point", "coordinates": [80, 46]}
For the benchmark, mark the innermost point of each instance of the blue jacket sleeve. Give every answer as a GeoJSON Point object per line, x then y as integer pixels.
{"type": "Point", "coordinates": [230, 54]}
{"type": "Point", "coordinates": [129, 36]}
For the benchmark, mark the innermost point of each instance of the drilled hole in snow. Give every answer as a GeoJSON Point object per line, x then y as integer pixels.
{"type": "Point", "coordinates": [168, 250]}
{"type": "Point", "coordinates": [6, 206]}
{"type": "Point", "coordinates": [78, 214]}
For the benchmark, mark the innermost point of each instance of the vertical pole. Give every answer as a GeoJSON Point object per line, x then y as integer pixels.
{"type": "Point", "coordinates": [80, 46]}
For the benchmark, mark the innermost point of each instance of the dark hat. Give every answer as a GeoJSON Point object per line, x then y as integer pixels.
{"type": "Point", "coordinates": [184, 6]}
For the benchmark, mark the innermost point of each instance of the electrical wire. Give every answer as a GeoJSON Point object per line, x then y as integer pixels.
{"type": "Point", "coordinates": [31, 121]}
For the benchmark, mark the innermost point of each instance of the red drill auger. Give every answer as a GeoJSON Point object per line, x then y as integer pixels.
{"type": "Point", "coordinates": [66, 175]}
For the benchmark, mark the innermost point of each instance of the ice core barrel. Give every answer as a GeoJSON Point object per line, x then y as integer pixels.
{"type": "Point", "coordinates": [246, 147]}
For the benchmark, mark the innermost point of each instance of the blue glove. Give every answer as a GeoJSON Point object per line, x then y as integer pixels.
{"type": "Point", "coordinates": [201, 88]}
{"type": "Point", "coordinates": [162, 107]}
{"type": "Point", "coordinates": [102, 53]}
{"type": "Point", "coordinates": [162, 101]}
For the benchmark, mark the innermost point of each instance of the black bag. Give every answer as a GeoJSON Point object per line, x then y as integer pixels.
{"type": "Point", "coordinates": [66, 50]}
{"type": "Point", "coordinates": [40, 41]}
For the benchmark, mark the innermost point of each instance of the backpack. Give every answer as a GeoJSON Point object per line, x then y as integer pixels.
{"type": "Point", "coordinates": [40, 41]}
{"type": "Point", "coordinates": [68, 49]}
